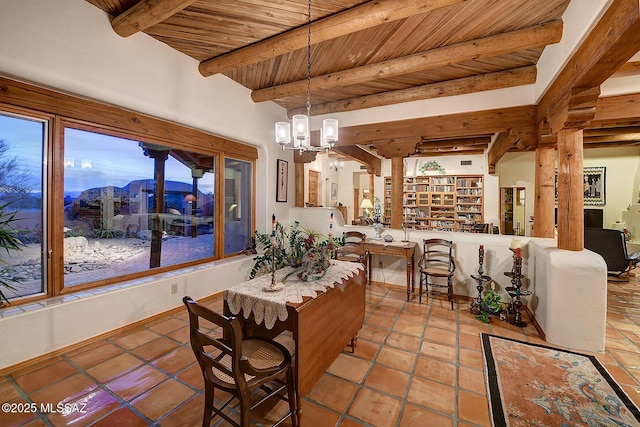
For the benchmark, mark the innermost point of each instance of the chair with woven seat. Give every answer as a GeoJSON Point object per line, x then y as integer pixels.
{"type": "Point", "coordinates": [437, 263]}
{"type": "Point", "coordinates": [240, 366]}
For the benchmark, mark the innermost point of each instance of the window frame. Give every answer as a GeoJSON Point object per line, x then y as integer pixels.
{"type": "Point", "coordinates": [61, 111]}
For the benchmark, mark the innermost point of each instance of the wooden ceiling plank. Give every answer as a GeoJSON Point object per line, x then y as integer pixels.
{"type": "Point", "coordinates": [612, 42]}
{"type": "Point", "coordinates": [631, 68]}
{"type": "Point", "coordinates": [145, 14]}
{"type": "Point", "coordinates": [361, 17]}
{"type": "Point", "coordinates": [373, 163]}
{"type": "Point", "coordinates": [483, 82]}
{"type": "Point", "coordinates": [455, 142]}
{"type": "Point", "coordinates": [500, 44]}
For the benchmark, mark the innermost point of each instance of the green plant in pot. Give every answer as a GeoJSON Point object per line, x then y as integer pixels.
{"type": "Point", "coordinates": [9, 241]}
{"type": "Point", "coordinates": [491, 304]}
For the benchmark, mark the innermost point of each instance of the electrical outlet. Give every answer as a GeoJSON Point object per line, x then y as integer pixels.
{"type": "Point", "coordinates": [379, 264]}
{"type": "Point", "coordinates": [174, 288]}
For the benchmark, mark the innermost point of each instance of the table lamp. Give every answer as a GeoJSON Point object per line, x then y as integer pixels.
{"type": "Point", "coordinates": [366, 205]}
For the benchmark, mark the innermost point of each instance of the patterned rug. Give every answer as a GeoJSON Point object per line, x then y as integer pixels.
{"type": "Point", "coordinates": [536, 385]}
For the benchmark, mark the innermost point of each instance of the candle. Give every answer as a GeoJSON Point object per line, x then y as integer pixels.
{"type": "Point", "coordinates": [518, 252]}
{"type": "Point", "coordinates": [515, 243]}
{"type": "Point", "coordinates": [493, 285]}
{"type": "Point", "coordinates": [331, 225]}
{"type": "Point", "coordinates": [273, 230]}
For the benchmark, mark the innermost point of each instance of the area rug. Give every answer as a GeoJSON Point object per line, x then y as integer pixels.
{"type": "Point", "coordinates": [536, 385]}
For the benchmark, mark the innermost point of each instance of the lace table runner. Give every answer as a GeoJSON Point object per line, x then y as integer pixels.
{"type": "Point", "coordinates": [271, 306]}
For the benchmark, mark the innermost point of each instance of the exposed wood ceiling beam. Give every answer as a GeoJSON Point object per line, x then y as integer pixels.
{"type": "Point", "coordinates": [500, 44]}
{"type": "Point", "coordinates": [611, 145]}
{"type": "Point", "coordinates": [373, 163]}
{"type": "Point", "coordinates": [500, 146]}
{"type": "Point", "coordinates": [438, 127]}
{"type": "Point", "coordinates": [452, 150]}
{"type": "Point", "coordinates": [613, 41]}
{"type": "Point", "coordinates": [631, 68]}
{"type": "Point", "coordinates": [619, 109]}
{"type": "Point", "coordinates": [449, 153]}
{"type": "Point", "coordinates": [358, 18]}
{"type": "Point", "coordinates": [453, 142]}
{"type": "Point", "coordinates": [483, 82]}
{"type": "Point", "coordinates": [145, 14]}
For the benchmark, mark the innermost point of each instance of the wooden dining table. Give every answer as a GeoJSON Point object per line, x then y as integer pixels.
{"type": "Point", "coordinates": [321, 326]}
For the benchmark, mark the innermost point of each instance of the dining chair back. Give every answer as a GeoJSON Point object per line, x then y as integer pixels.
{"type": "Point", "coordinates": [436, 266]}
{"type": "Point", "coordinates": [239, 366]}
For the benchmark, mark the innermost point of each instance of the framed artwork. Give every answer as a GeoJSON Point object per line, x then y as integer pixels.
{"type": "Point", "coordinates": [594, 185]}
{"type": "Point", "coordinates": [282, 180]}
{"type": "Point", "coordinates": [334, 191]}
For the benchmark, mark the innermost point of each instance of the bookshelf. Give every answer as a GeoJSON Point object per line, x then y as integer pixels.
{"type": "Point", "coordinates": [441, 202]}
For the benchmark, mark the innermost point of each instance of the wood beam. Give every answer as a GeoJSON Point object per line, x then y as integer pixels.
{"type": "Point", "coordinates": [299, 184]}
{"type": "Point", "coordinates": [500, 44]}
{"type": "Point", "coordinates": [452, 150]}
{"type": "Point", "coordinates": [304, 157]}
{"type": "Point", "coordinates": [145, 14]}
{"type": "Point", "coordinates": [613, 41]}
{"type": "Point", "coordinates": [617, 108]}
{"type": "Point", "coordinates": [570, 190]}
{"type": "Point", "coordinates": [391, 150]}
{"type": "Point", "coordinates": [483, 82]}
{"type": "Point", "coordinates": [445, 126]}
{"type": "Point", "coordinates": [500, 146]}
{"type": "Point", "coordinates": [631, 68]}
{"type": "Point", "coordinates": [544, 202]}
{"type": "Point", "coordinates": [373, 163]}
{"type": "Point", "coordinates": [453, 142]}
{"type": "Point", "coordinates": [469, 152]}
{"type": "Point", "coordinates": [397, 178]}
{"type": "Point", "coordinates": [366, 15]}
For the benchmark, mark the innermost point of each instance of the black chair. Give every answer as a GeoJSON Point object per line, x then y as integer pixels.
{"type": "Point", "coordinates": [240, 366]}
{"type": "Point", "coordinates": [437, 263]}
{"type": "Point", "coordinates": [611, 246]}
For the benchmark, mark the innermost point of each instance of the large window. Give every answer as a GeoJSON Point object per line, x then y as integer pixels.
{"type": "Point", "coordinates": [21, 201]}
{"type": "Point", "coordinates": [98, 194]}
{"type": "Point", "coordinates": [131, 206]}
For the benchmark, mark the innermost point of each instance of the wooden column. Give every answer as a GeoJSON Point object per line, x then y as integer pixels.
{"type": "Point", "coordinates": [299, 185]}
{"type": "Point", "coordinates": [544, 205]}
{"type": "Point", "coordinates": [372, 192]}
{"type": "Point", "coordinates": [397, 177]}
{"type": "Point", "coordinates": [570, 190]}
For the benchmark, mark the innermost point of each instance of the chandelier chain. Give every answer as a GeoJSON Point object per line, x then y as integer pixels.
{"type": "Point", "coordinates": [309, 61]}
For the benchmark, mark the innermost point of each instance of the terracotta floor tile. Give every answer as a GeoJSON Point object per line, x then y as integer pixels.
{"type": "Point", "coordinates": [470, 358]}
{"type": "Point", "coordinates": [388, 380]}
{"type": "Point", "coordinates": [373, 333]}
{"type": "Point", "coordinates": [8, 391]}
{"type": "Point", "coordinates": [135, 339]}
{"type": "Point", "coordinates": [63, 391]}
{"type": "Point", "coordinates": [113, 368]}
{"type": "Point", "coordinates": [630, 360]}
{"type": "Point", "coordinates": [470, 341]}
{"type": "Point", "coordinates": [437, 396]}
{"type": "Point", "coordinates": [403, 341]}
{"type": "Point", "coordinates": [85, 409]}
{"type": "Point", "coordinates": [440, 335]}
{"type": "Point", "coordinates": [386, 311]}
{"type": "Point", "coordinates": [180, 335]}
{"type": "Point", "coordinates": [409, 328]}
{"type": "Point", "coordinates": [50, 374]}
{"type": "Point", "coordinates": [409, 316]}
{"type": "Point", "coordinates": [474, 329]}
{"type": "Point", "coordinates": [316, 416]}
{"type": "Point", "coordinates": [396, 358]}
{"type": "Point", "coordinates": [162, 398]}
{"type": "Point", "coordinates": [192, 376]}
{"type": "Point", "coordinates": [380, 321]}
{"type": "Point", "coordinates": [620, 375]}
{"type": "Point", "coordinates": [376, 408]}
{"type": "Point", "coordinates": [414, 416]}
{"type": "Point", "coordinates": [169, 325]}
{"type": "Point", "coordinates": [17, 418]}
{"type": "Point", "coordinates": [366, 349]}
{"type": "Point", "coordinates": [349, 367]}
{"type": "Point", "coordinates": [188, 414]}
{"type": "Point", "coordinates": [332, 392]}
{"type": "Point", "coordinates": [154, 349]}
{"type": "Point", "coordinates": [442, 322]}
{"type": "Point", "coordinates": [121, 417]}
{"type": "Point", "coordinates": [439, 351]}
{"type": "Point", "coordinates": [136, 382]}
{"type": "Point", "coordinates": [176, 360]}
{"type": "Point", "coordinates": [472, 380]}
{"type": "Point", "coordinates": [473, 408]}
{"type": "Point", "coordinates": [436, 370]}
{"type": "Point", "coordinates": [91, 357]}
{"type": "Point", "coordinates": [347, 422]}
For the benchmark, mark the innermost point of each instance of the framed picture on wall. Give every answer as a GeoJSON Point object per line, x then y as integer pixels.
{"type": "Point", "coordinates": [593, 186]}
{"type": "Point", "coordinates": [282, 179]}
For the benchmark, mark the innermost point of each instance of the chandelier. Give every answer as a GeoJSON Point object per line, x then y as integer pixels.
{"type": "Point", "coordinates": [299, 129]}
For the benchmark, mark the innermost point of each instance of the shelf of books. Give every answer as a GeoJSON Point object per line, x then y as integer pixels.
{"type": "Point", "coordinates": [443, 202]}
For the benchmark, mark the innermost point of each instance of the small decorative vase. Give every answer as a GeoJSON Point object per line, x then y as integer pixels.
{"type": "Point", "coordinates": [377, 226]}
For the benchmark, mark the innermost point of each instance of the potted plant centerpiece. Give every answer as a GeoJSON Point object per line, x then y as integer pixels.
{"type": "Point", "coordinates": [491, 304]}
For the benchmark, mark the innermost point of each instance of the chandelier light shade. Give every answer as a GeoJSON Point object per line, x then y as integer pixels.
{"type": "Point", "coordinates": [300, 122]}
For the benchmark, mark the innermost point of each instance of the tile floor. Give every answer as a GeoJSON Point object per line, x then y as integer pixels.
{"type": "Point", "coordinates": [415, 365]}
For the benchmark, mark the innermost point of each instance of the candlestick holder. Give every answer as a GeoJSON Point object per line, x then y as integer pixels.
{"type": "Point", "coordinates": [476, 305]}
{"type": "Point", "coordinates": [273, 286]}
{"type": "Point", "coordinates": [515, 291]}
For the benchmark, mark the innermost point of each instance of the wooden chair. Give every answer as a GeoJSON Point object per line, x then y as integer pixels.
{"type": "Point", "coordinates": [240, 366]}
{"type": "Point", "coordinates": [437, 263]}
